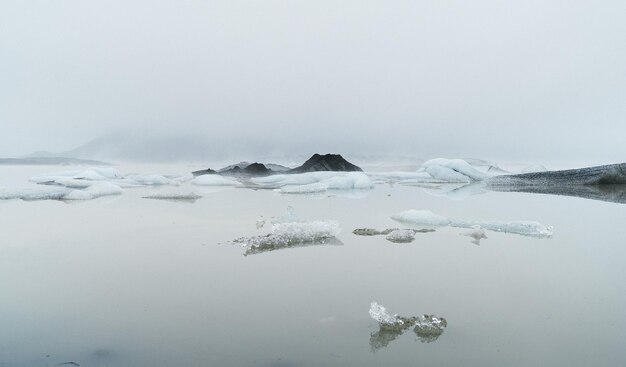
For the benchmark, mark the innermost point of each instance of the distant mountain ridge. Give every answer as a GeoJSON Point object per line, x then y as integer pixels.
{"type": "Point", "coordinates": [317, 162]}
{"type": "Point", "coordinates": [38, 160]}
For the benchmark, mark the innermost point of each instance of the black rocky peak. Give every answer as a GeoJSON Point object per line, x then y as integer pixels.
{"type": "Point", "coordinates": [326, 162]}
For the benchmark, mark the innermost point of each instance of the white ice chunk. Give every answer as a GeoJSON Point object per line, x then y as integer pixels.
{"type": "Point", "coordinates": [401, 236]}
{"type": "Point", "coordinates": [526, 228]}
{"type": "Point", "coordinates": [445, 174]}
{"type": "Point", "coordinates": [421, 217]}
{"type": "Point", "coordinates": [304, 189]}
{"type": "Point", "coordinates": [331, 180]}
{"type": "Point", "coordinates": [382, 316]}
{"type": "Point", "coordinates": [349, 181]}
{"type": "Point", "coordinates": [458, 165]}
{"type": "Point", "coordinates": [94, 191]}
{"type": "Point", "coordinates": [214, 180]}
{"type": "Point", "coordinates": [477, 233]}
{"type": "Point", "coordinates": [427, 218]}
{"type": "Point", "coordinates": [149, 180]}
{"type": "Point", "coordinates": [292, 234]}
{"type": "Point", "coordinates": [78, 195]}
{"type": "Point", "coordinates": [30, 194]}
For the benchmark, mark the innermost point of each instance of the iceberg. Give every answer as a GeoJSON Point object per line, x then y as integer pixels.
{"type": "Point", "coordinates": [304, 189]}
{"type": "Point", "coordinates": [214, 180]}
{"type": "Point", "coordinates": [149, 180]}
{"type": "Point", "coordinates": [93, 191]}
{"type": "Point", "coordinates": [316, 182]}
{"type": "Point", "coordinates": [31, 194]}
{"type": "Point", "coordinates": [422, 218]}
{"type": "Point", "coordinates": [453, 170]}
{"type": "Point", "coordinates": [388, 231]}
{"type": "Point", "coordinates": [401, 236]}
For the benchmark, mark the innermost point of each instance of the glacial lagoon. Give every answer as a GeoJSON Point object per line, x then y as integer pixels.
{"type": "Point", "coordinates": [154, 277]}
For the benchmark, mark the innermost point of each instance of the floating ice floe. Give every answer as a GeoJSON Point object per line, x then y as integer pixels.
{"type": "Point", "coordinates": [214, 180]}
{"type": "Point", "coordinates": [423, 218]}
{"type": "Point", "coordinates": [174, 196]}
{"type": "Point", "coordinates": [427, 327]}
{"type": "Point", "coordinates": [395, 235]}
{"type": "Point", "coordinates": [304, 189]}
{"type": "Point", "coordinates": [386, 320]}
{"type": "Point", "coordinates": [401, 236]}
{"type": "Point", "coordinates": [477, 233]}
{"type": "Point", "coordinates": [315, 182]}
{"type": "Point", "coordinates": [453, 170]}
{"type": "Point", "coordinates": [93, 191]}
{"type": "Point", "coordinates": [292, 232]}
{"type": "Point", "coordinates": [34, 194]}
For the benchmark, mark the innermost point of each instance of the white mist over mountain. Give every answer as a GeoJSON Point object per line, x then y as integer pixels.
{"type": "Point", "coordinates": [524, 80]}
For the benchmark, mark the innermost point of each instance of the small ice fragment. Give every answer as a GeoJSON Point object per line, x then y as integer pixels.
{"type": "Point", "coordinates": [401, 236]}
{"type": "Point", "coordinates": [429, 327]}
{"type": "Point", "coordinates": [383, 317]}
{"type": "Point", "coordinates": [176, 196]}
{"type": "Point", "coordinates": [366, 232]}
{"type": "Point", "coordinates": [477, 233]}
{"type": "Point", "coordinates": [292, 234]}
{"type": "Point", "coordinates": [421, 217]}
{"type": "Point", "coordinates": [260, 223]}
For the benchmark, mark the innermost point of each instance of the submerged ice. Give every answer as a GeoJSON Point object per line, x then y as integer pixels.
{"type": "Point", "coordinates": [422, 218]}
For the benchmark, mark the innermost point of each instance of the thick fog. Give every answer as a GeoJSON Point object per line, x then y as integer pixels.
{"type": "Point", "coordinates": [536, 80]}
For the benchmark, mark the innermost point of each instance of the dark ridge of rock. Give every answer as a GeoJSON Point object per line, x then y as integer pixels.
{"type": "Point", "coordinates": [327, 162]}
{"type": "Point", "coordinates": [257, 169]}
{"type": "Point", "coordinates": [240, 165]}
{"type": "Point", "coordinates": [609, 193]}
{"type": "Point", "coordinates": [612, 174]}
{"type": "Point", "coordinates": [251, 170]}
{"type": "Point", "coordinates": [277, 168]}
{"type": "Point", "coordinates": [207, 171]}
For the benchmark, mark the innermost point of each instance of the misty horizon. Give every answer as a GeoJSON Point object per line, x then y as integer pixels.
{"type": "Point", "coordinates": [524, 81]}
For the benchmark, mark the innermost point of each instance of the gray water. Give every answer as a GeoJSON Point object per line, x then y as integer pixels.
{"type": "Point", "coordinates": [127, 281]}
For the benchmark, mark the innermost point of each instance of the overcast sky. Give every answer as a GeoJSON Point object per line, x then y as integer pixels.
{"type": "Point", "coordinates": [491, 79]}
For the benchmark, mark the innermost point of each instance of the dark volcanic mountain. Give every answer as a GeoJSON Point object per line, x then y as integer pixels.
{"type": "Point", "coordinates": [254, 169]}
{"type": "Point", "coordinates": [201, 172]}
{"type": "Point", "coordinates": [326, 162]}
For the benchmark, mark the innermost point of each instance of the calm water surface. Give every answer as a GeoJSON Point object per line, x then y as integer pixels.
{"type": "Point", "coordinates": [127, 281]}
